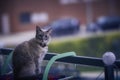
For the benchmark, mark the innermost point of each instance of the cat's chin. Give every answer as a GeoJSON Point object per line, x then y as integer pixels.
{"type": "Point", "coordinates": [42, 45]}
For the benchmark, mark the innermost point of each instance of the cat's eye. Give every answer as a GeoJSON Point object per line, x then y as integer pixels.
{"type": "Point", "coordinates": [45, 37]}
{"type": "Point", "coordinates": [40, 36]}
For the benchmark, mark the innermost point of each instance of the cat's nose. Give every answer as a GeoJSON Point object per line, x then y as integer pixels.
{"type": "Point", "coordinates": [42, 44]}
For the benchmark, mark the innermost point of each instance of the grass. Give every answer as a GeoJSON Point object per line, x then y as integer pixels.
{"type": "Point", "coordinates": [93, 46]}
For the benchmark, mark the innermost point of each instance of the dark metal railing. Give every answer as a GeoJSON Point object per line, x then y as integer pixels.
{"type": "Point", "coordinates": [90, 61]}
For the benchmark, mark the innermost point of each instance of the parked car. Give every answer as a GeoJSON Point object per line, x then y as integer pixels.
{"type": "Point", "coordinates": [105, 23]}
{"type": "Point", "coordinates": [67, 26]}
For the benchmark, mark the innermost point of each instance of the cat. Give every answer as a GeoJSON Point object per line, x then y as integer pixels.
{"type": "Point", "coordinates": [28, 56]}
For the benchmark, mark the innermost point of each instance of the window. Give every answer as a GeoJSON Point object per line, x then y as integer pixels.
{"type": "Point", "coordinates": [68, 1]}
{"type": "Point", "coordinates": [39, 17]}
{"type": "Point", "coordinates": [25, 17]}
{"type": "Point", "coordinates": [34, 17]}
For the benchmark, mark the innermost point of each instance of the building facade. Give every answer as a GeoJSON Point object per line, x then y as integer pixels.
{"type": "Point", "coordinates": [24, 15]}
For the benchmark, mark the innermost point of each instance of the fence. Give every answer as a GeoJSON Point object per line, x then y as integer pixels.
{"type": "Point", "coordinates": [108, 69]}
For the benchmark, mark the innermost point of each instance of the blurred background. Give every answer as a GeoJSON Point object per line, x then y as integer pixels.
{"type": "Point", "coordinates": [88, 27]}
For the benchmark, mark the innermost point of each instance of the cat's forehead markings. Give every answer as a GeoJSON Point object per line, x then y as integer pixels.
{"type": "Point", "coordinates": [44, 30]}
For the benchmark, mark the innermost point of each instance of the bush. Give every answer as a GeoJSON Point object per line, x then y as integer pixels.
{"type": "Point", "coordinates": [94, 46]}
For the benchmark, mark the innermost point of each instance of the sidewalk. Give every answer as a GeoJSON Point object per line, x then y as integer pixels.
{"type": "Point", "coordinates": [15, 39]}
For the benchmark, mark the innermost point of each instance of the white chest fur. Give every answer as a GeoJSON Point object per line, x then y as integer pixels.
{"type": "Point", "coordinates": [42, 54]}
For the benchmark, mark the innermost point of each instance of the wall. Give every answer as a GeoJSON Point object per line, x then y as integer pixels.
{"type": "Point", "coordinates": [55, 11]}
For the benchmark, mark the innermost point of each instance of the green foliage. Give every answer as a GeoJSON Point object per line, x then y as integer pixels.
{"type": "Point", "coordinates": [94, 46]}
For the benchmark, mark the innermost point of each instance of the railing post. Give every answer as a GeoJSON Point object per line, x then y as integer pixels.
{"type": "Point", "coordinates": [109, 72]}
{"type": "Point", "coordinates": [109, 59]}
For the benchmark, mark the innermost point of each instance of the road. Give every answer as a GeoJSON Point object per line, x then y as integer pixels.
{"type": "Point", "coordinates": [15, 39]}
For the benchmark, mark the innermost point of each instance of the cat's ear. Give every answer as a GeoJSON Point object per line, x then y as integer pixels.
{"type": "Point", "coordinates": [49, 31]}
{"type": "Point", "coordinates": [38, 29]}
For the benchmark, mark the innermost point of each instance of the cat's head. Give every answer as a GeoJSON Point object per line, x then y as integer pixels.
{"type": "Point", "coordinates": [43, 37]}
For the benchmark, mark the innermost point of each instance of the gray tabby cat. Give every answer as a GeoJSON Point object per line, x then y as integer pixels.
{"type": "Point", "coordinates": [27, 56]}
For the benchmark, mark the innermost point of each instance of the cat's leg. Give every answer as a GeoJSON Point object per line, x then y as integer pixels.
{"type": "Point", "coordinates": [37, 65]}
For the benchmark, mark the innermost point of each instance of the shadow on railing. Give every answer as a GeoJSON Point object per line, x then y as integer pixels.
{"type": "Point", "coordinates": [108, 62]}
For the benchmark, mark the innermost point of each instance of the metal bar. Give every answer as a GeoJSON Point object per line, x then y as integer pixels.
{"type": "Point", "coordinates": [6, 51]}
{"type": "Point", "coordinates": [117, 64]}
{"type": "Point", "coordinates": [71, 59]}
{"type": "Point", "coordinates": [79, 60]}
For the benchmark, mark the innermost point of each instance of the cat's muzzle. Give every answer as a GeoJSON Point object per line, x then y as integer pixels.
{"type": "Point", "coordinates": [43, 45]}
